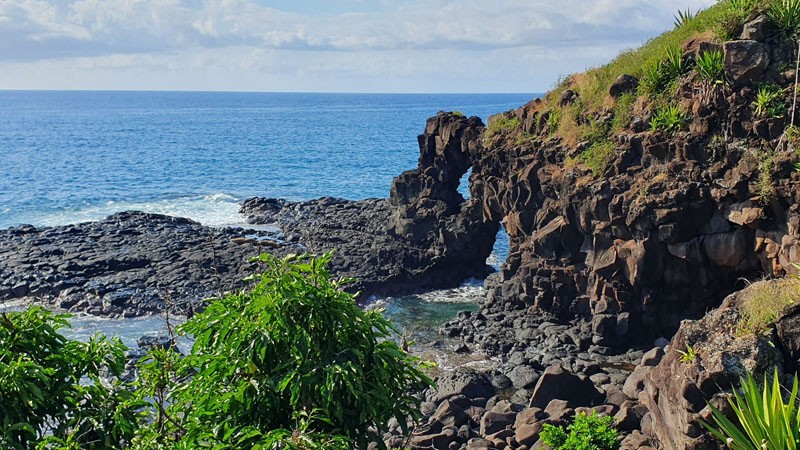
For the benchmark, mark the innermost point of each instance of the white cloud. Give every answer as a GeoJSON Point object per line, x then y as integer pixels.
{"type": "Point", "coordinates": [415, 38]}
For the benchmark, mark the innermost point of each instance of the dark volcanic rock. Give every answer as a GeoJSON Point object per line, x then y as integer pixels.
{"type": "Point", "coordinates": [128, 264]}
{"type": "Point", "coordinates": [556, 383]}
{"type": "Point", "coordinates": [622, 85]}
{"type": "Point", "coordinates": [745, 61]}
{"type": "Point", "coordinates": [425, 236]}
{"type": "Point", "coordinates": [677, 391]}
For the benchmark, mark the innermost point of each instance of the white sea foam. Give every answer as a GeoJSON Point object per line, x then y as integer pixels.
{"type": "Point", "coordinates": [213, 210]}
{"type": "Point", "coordinates": [470, 292]}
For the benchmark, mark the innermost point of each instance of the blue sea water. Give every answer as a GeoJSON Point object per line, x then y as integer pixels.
{"type": "Point", "coordinates": [71, 156]}
{"type": "Point", "coordinates": [74, 156]}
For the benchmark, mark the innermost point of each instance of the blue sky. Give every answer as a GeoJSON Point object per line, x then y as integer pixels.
{"type": "Point", "coordinates": [316, 45]}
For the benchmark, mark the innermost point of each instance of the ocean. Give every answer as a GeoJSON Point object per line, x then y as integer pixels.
{"type": "Point", "coordinates": [75, 156]}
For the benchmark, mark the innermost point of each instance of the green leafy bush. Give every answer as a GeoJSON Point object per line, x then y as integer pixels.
{"type": "Point", "coordinates": [769, 101]}
{"type": "Point", "coordinates": [764, 417]}
{"type": "Point", "coordinates": [292, 363]}
{"type": "Point", "coordinates": [51, 394]}
{"type": "Point", "coordinates": [669, 118]}
{"type": "Point", "coordinates": [590, 432]}
{"type": "Point", "coordinates": [785, 14]}
{"type": "Point", "coordinates": [711, 66]}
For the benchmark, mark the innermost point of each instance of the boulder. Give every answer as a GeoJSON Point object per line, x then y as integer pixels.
{"type": "Point", "coordinates": [492, 422]}
{"type": "Point", "coordinates": [757, 29]}
{"type": "Point", "coordinates": [524, 377]}
{"type": "Point", "coordinates": [557, 383]}
{"type": "Point", "coordinates": [462, 381]}
{"type": "Point", "coordinates": [653, 357]}
{"type": "Point", "coordinates": [635, 382]}
{"type": "Point", "coordinates": [745, 61]}
{"type": "Point", "coordinates": [622, 85]}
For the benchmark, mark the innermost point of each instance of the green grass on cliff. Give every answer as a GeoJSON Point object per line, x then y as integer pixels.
{"type": "Point", "coordinates": [716, 22]}
{"type": "Point", "coordinates": [763, 303]}
{"type": "Point", "coordinates": [595, 116]}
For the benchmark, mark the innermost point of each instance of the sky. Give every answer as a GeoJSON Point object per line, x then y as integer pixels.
{"type": "Point", "coordinates": [421, 46]}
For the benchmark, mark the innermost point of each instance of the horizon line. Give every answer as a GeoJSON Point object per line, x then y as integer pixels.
{"type": "Point", "coordinates": [222, 91]}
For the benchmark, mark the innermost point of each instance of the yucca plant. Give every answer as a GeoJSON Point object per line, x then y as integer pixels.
{"type": "Point", "coordinates": [785, 14]}
{"type": "Point", "coordinates": [669, 118]}
{"type": "Point", "coordinates": [764, 417]}
{"type": "Point", "coordinates": [711, 66]}
{"type": "Point", "coordinates": [682, 18]}
{"type": "Point", "coordinates": [768, 101]}
{"type": "Point", "coordinates": [674, 63]}
{"type": "Point", "coordinates": [654, 79]}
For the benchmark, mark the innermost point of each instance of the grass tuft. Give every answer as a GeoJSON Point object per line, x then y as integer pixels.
{"type": "Point", "coordinates": [683, 18]}
{"type": "Point", "coordinates": [501, 125]}
{"type": "Point", "coordinates": [769, 101]}
{"type": "Point", "coordinates": [785, 14]}
{"type": "Point", "coordinates": [764, 302]}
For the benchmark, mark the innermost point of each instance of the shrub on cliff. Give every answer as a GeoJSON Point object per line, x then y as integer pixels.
{"type": "Point", "coordinates": [764, 418]}
{"type": "Point", "coordinates": [292, 363]}
{"type": "Point", "coordinates": [587, 432]}
{"type": "Point", "coordinates": [51, 394]}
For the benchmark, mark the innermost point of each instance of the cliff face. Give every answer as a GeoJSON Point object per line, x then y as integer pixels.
{"type": "Point", "coordinates": [666, 231]}
{"type": "Point", "coordinates": [618, 236]}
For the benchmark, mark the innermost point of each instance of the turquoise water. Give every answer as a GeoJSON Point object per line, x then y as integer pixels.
{"type": "Point", "coordinates": [78, 156]}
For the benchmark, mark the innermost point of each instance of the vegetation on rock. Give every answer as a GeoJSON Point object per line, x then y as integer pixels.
{"type": "Point", "coordinates": [763, 303]}
{"type": "Point", "coordinates": [766, 417]}
{"type": "Point", "coordinates": [586, 432]}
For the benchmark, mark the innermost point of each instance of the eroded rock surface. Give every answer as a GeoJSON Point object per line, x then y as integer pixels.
{"type": "Point", "coordinates": [126, 265]}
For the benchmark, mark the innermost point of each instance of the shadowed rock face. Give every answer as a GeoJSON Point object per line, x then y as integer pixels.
{"type": "Point", "coordinates": [677, 391]}
{"type": "Point", "coordinates": [666, 233]}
